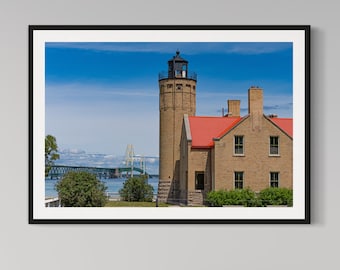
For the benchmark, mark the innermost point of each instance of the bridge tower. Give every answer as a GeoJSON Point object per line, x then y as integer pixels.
{"type": "Point", "coordinates": [177, 96]}
{"type": "Point", "coordinates": [129, 155]}
{"type": "Point", "coordinates": [142, 164]}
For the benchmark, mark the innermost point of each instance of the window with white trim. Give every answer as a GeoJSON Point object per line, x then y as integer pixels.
{"type": "Point", "coordinates": [238, 179]}
{"type": "Point", "coordinates": [238, 145]}
{"type": "Point", "coordinates": [274, 179]}
{"type": "Point", "coordinates": [274, 146]}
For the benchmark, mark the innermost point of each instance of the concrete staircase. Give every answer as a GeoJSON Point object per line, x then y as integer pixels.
{"type": "Point", "coordinates": [195, 198]}
{"type": "Point", "coordinates": [164, 187]}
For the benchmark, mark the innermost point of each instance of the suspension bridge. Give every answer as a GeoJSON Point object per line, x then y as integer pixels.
{"type": "Point", "coordinates": [58, 171]}
{"type": "Point", "coordinates": [133, 164]}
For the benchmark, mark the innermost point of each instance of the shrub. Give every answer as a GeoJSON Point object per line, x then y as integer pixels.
{"type": "Point", "coordinates": [244, 197]}
{"type": "Point", "coordinates": [276, 196]}
{"type": "Point", "coordinates": [81, 189]}
{"type": "Point", "coordinates": [136, 189]}
{"type": "Point", "coordinates": [216, 198]}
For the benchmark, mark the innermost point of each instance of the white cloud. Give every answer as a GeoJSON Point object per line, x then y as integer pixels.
{"type": "Point", "coordinates": [72, 151]}
{"type": "Point", "coordinates": [101, 119]}
{"type": "Point", "coordinates": [65, 91]}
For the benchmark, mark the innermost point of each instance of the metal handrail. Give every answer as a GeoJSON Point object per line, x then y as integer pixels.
{"type": "Point", "coordinates": [165, 75]}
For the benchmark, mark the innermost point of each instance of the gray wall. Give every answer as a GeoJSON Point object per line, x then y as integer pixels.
{"type": "Point", "coordinates": [24, 246]}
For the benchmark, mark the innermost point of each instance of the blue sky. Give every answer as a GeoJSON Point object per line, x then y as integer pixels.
{"type": "Point", "coordinates": [102, 96]}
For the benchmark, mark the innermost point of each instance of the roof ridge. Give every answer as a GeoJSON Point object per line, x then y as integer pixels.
{"type": "Point", "coordinates": [289, 133]}
{"type": "Point", "coordinates": [221, 117]}
{"type": "Point", "coordinates": [233, 124]}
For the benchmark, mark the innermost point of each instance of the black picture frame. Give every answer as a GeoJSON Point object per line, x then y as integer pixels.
{"type": "Point", "coordinates": [39, 214]}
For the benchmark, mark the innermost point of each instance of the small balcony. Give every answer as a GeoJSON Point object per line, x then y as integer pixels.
{"type": "Point", "coordinates": [180, 75]}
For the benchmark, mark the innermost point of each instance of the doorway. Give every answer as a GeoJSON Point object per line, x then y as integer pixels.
{"type": "Point", "coordinates": [199, 180]}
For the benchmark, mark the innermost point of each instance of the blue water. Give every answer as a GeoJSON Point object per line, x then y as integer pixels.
{"type": "Point", "coordinates": [113, 185]}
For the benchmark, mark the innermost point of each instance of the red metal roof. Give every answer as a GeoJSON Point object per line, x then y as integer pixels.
{"type": "Point", "coordinates": [205, 128]}
{"type": "Point", "coordinates": [286, 124]}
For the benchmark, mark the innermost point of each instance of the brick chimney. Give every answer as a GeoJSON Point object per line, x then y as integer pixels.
{"type": "Point", "coordinates": [255, 106]}
{"type": "Point", "coordinates": [255, 100]}
{"type": "Point", "coordinates": [234, 108]}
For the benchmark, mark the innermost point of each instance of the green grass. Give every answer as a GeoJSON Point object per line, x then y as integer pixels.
{"type": "Point", "coordinates": [133, 204]}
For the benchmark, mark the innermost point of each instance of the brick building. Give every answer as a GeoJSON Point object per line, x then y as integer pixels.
{"type": "Point", "coordinates": [199, 154]}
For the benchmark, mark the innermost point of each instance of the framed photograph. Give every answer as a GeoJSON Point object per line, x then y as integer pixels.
{"type": "Point", "coordinates": [169, 124]}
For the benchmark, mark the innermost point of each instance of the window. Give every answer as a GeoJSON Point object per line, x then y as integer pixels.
{"type": "Point", "coordinates": [199, 180]}
{"type": "Point", "coordinates": [178, 73]}
{"type": "Point", "coordinates": [274, 145]}
{"type": "Point", "coordinates": [238, 145]}
{"type": "Point", "coordinates": [238, 176]}
{"type": "Point", "coordinates": [274, 179]}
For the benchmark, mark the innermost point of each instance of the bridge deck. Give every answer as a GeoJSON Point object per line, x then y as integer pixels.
{"type": "Point", "coordinates": [59, 170]}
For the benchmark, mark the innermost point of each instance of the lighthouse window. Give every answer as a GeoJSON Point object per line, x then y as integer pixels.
{"type": "Point", "coordinates": [178, 73]}
{"type": "Point", "coordinates": [179, 86]}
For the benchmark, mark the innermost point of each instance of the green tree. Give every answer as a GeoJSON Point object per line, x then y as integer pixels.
{"type": "Point", "coordinates": [81, 189]}
{"type": "Point", "coordinates": [51, 152]}
{"type": "Point", "coordinates": [136, 189]}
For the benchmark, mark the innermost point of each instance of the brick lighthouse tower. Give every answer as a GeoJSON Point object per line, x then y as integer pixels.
{"type": "Point", "coordinates": [177, 96]}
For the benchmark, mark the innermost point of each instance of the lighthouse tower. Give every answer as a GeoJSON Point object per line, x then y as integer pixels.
{"type": "Point", "coordinates": [177, 96]}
